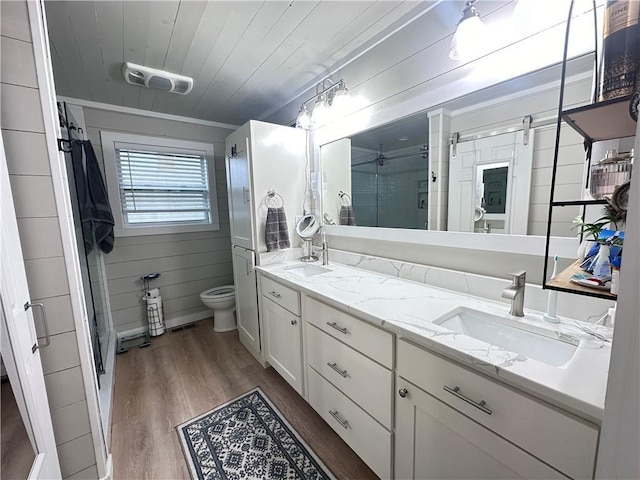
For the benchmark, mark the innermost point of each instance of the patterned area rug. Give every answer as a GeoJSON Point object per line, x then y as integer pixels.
{"type": "Point", "coordinates": [247, 438]}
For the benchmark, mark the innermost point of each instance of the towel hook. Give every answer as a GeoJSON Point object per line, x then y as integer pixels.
{"type": "Point", "coordinates": [345, 202]}
{"type": "Point", "coordinates": [271, 200]}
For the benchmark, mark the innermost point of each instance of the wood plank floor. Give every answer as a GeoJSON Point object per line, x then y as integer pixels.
{"type": "Point", "coordinates": [16, 452]}
{"type": "Point", "coordinates": [184, 374]}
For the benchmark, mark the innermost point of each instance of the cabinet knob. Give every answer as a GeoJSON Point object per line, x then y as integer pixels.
{"type": "Point", "coordinates": [294, 322]}
{"type": "Point", "coordinates": [403, 392]}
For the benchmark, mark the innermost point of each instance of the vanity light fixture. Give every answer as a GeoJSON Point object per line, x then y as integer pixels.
{"type": "Point", "coordinates": [332, 100]}
{"type": "Point", "coordinates": [341, 99]}
{"type": "Point", "coordinates": [304, 120]}
{"type": "Point", "coordinates": [468, 42]}
{"type": "Point", "coordinates": [321, 114]}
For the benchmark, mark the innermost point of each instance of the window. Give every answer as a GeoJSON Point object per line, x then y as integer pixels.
{"type": "Point", "coordinates": [159, 185]}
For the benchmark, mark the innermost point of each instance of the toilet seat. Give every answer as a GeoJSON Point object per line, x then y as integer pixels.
{"type": "Point", "coordinates": [226, 291]}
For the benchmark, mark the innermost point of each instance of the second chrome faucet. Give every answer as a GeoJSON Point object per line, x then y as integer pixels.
{"type": "Point", "coordinates": [515, 293]}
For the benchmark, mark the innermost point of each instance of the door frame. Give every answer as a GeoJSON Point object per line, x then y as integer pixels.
{"type": "Point", "coordinates": [48, 101]}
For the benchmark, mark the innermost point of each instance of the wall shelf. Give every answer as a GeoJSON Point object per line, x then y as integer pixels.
{"type": "Point", "coordinates": [571, 203]}
{"type": "Point", "coordinates": [598, 121]}
{"type": "Point", "coordinates": [602, 120]}
{"type": "Point", "coordinates": [562, 283]}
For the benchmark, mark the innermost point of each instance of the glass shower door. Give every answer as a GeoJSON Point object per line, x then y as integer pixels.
{"type": "Point", "coordinates": [91, 258]}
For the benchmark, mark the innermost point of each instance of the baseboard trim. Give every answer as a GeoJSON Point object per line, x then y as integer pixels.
{"type": "Point", "coordinates": [170, 323]}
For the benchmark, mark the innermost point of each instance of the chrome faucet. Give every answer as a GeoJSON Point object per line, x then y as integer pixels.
{"type": "Point", "coordinates": [515, 293]}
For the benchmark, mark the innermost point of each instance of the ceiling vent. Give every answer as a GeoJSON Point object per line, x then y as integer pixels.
{"type": "Point", "coordinates": [156, 79]}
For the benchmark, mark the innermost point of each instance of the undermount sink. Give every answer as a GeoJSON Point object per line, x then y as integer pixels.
{"type": "Point", "coordinates": [537, 343]}
{"type": "Point", "coordinates": [307, 270]}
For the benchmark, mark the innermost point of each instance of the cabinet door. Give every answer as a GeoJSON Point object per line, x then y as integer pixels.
{"type": "Point", "coordinates": [239, 192]}
{"type": "Point", "coordinates": [435, 441]}
{"type": "Point", "coordinates": [283, 342]}
{"type": "Point", "coordinates": [244, 276]}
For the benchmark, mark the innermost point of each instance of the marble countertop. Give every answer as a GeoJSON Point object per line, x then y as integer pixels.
{"type": "Point", "coordinates": [409, 309]}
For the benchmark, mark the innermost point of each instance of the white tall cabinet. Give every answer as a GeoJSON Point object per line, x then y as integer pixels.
{"type": "Point", "coordinates": [260, 157]}
{"type": "Point", "coordinates": [244, 278]}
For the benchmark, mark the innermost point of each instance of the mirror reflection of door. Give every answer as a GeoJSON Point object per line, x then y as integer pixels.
{"type": "Point", "coordinates": [16, 450]}
{"type": "Point", "coordinates": [491, 175]}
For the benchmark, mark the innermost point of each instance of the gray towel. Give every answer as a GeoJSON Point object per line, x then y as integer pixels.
{"type": "Point", "coordinates": [95, 212]}
{"type": "Point", "coordinates": [100, 217]}
{"type": "Point", "coordinates": [347, 217]}
{"type": "Point", "coordinates": [276, 233]}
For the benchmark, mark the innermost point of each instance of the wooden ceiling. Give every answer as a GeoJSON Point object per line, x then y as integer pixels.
{"type": "Point", "coordinates": [246, 57]}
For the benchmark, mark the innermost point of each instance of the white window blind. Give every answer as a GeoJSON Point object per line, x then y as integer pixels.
{"type": "Point", "coordinates": [159, 187]}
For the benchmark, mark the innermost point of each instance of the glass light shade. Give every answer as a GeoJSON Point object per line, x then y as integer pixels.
{"type": "Point", "coordinates": [303, 121]}
{"type": "Point", "coordinates": [341, 103]}
{"type": "Point", "coordinates": [469, 41]}
{"type": "Point", "coordinates": [321, 114]}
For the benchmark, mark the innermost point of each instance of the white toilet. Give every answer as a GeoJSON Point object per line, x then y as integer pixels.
{"type": "Point", "coordinates": [222, 300]}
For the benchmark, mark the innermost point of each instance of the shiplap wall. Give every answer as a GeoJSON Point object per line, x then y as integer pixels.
{"type": "Point", "coordinates": [41, 240]}
{"type": "Point", "coordinates": [189, 262]}
{"type": "Point", "coordinates": [541, 103]}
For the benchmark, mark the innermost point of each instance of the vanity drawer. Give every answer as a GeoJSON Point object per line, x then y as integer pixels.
{"type": "Point", "coordinates": [284, 296]}
{"type": "Point", "coordinates": [358, 377]}
{"type": "Point", "coordinates": [558, 438]}
{"type": "Point", "coordinates": [372, 341]}
{"type": "Point", "coordinates": [362, 433]}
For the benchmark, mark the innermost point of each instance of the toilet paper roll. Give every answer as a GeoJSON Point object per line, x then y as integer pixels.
{"type": "Point", "coordinates": [153, 293]}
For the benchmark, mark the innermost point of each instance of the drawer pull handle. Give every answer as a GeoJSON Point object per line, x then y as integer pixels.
{"type": "Point", "coordinates": [403, 392]}
{"type": "Point", "coordinates": [479, 405]}
{"type": "Point", "coordinates": [294, 322]}
{"type": "Point", "coordinates": [274, 294]}
{"type": "Point", "coordinates": [334, 366]}
{"type": "Point", "coordinates": [342, 422]}
{"type": "Point", "coordinates": [340, 329]}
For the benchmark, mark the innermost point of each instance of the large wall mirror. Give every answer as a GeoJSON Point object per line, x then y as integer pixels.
{"type": "Point", "coordinates": [493, 178]}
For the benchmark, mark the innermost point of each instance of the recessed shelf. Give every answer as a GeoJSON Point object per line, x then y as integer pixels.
{"type": "Point", "coordinates": [602, 120]}
{"type": "Point", "coordinates": [562, 283]}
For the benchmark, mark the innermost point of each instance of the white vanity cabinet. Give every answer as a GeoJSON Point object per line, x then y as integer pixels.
{"type": "Point", "coordinates": [454, 423]}
{"type": "Point", "coordinates": [280, 307]}
{"type": "Point", "coordinates": [350, 381]}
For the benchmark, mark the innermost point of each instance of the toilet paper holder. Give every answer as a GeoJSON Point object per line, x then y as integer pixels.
{"type": "Point", "coordinates": [147, 278]}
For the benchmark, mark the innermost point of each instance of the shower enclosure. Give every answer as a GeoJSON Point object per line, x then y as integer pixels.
{"type": "Point", "coordinates": [92, 267]}
{"type": "Point", "coordinates": [390, 189]}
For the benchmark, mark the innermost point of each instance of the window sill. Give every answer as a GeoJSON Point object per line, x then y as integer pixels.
{"type": "Point", "coordinates": [131, 231]}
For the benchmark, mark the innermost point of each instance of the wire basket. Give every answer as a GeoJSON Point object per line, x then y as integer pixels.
{"type": "Point", "coordinates": [155, 318]}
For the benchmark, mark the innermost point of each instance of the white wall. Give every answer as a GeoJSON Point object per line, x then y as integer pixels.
{"type": "Point", "coordinates": [32, 186]}
{"type": "Point", "coordinates": [189, 262]}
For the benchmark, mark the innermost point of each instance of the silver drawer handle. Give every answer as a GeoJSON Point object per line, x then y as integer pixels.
{"type": "Point", "coordinates": [274, 294]}
{"type": "Point", "coordinates": [47, 337]}
{"type": "Point", "coordinates": [334, 366]}
{"type": "Point", "coordinates": [342, 422]}
{"type": "Point", "coordinates": [479, 405]}
{"type": "Point", "coordinates": [340, 329]}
